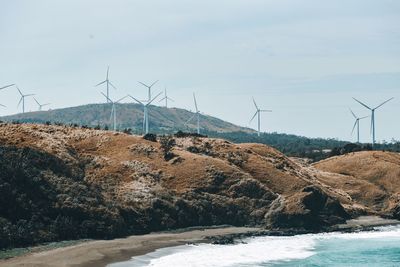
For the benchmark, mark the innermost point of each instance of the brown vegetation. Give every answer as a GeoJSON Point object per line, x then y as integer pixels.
{"type": "Point", "coordinates": [58, 182]}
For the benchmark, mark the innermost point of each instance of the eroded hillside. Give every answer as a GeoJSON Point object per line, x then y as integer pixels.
{"type": "Point", "coordinates": [371, 179]}
{"type": "Point", "coordinates": [59, 182]}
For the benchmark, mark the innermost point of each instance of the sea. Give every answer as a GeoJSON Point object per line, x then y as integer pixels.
{"type": "Point", "coordinates": [378, 247]}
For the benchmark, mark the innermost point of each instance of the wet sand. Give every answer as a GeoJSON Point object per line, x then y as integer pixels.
{"type": "Point", "coordinates": [101, 253]}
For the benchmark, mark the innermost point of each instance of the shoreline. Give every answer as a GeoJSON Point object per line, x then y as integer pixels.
{"type": "Point", "coordinates": [104, 252]}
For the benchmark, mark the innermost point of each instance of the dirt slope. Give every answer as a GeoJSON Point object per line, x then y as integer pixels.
{"type": "Point", "coordinates": [59, 182]}
{"type": "Point", "coordinates": [369, 179]}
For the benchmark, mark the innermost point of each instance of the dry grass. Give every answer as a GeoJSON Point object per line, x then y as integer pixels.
{"type": "Point", "coordinates": [133, 170]}
{"type": "Point", "coordinates": [372, 179]}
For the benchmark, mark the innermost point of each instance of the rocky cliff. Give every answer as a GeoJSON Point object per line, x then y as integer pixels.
{"type": "Point", "coordinates": [60, 182]}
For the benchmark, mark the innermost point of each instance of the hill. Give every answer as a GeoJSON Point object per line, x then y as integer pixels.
{"type": "Point", "coordinates": [59, 182]}
{"type": "Point", "coordinates": [170, 120]}
{"type": "Point", "coordinates": [162, 120]}
{"type": "Point", "coordinates": [370, 178]}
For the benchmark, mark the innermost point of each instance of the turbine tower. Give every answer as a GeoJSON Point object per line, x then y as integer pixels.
{"type": "Point", "coordinates": [113, 116]}
{"type": "Point", "coordinates": [40, 105]}
{"type": "Point", "coordinates": [373, 116]}
{"type": "Point", "coordinates": [195, 114]}
{"type": "Point", "coordinates": [166, 98]}
{"type": "Point", "coordinates": [145, 112]}
{"type": "Point", "coordinates": [148, 87]}
{"type": "Point", "coordinates": [357, 124]}
{"type": "Point", "coordinates": [108, 83]}
{"type": "Point", "coordinates": [22, 99]}
{"type": "Point", "coordinates": [258, 113]}
{"type": "Point", "coordinates": [4, 87]}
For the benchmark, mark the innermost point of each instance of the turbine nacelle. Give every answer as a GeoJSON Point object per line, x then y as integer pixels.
{"type": "Point", "coordinates": [108, 83]}
{"type": "Point", "coordinates": [372, 115]}
{"type": "Point", "coordinates": [145, 111]}
{"type": "Point", "coordinates": [258, 113]}
{"type": "Point", "coordinates": [149, 88]}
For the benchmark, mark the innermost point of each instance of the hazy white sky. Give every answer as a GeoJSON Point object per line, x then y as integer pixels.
{"type": "Point", "coordinates": [304, 59]}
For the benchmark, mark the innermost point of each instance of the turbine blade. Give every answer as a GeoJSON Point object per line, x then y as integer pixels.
{"type": "Point", "coordinates": [362, 104]}
{"type": "Point", "coordinates": [112, 85]}
{"type": "Point", "coordinates": [384, 103]}
{"type": "Point", "coordinates": [153, 83]}
{"type": "Point", "coordinates": [19, 103]}
{"type": "Point", "coordinates": [145, 85]}
{"type": "Point", "coordinates": [255, 114]}
{"type": "Point", "coordinates": [37, 101]}
{"type": "Point", "coordinates": [354, 127]}
{"type": "Point", "coordinates": [29, 95]}
{"type": "Point", "coordinates": [100, 83]}
{"type": "Point", "coordinates": [364, 117]}
{"type": "Point", "coordinates": [162, 99]}
{"type": "Point", "coordinates": [255, 104]}
{"type": "Point", "coordinates": [195, 102]}
{"type": "Point", "coordinates": [154, 98]}
{"type": "Point", "coordinates": [108, 70]}
{"type": "Point", "coordinates": [170, 99]}
{"type": "Point", "coordinates": [2, 105]}
{"type": "Point", "coordinates": [191, 118]}
{"type": "Point", "coordinates": [19, 91]}
{"type": "Point", "coordinates": [4, 87]}
{"type": "Point", "coordinates": [46, 104]}
{"type": "Point", "coordinates": [354, 115]}
{"type": "Point", "coordinates": [119, 100]}
{"type": "Point", "coordinates": [140, 102]}
{"type": "Point", "coordinates": [266, 110]}
{"type": "Point", "coordinates": [107, 97]}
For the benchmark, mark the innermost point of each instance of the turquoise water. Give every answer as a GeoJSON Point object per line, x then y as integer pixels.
{"type": "Point", "coordinates": [375, 248]}
{"type": "Point", "coordinates": [345, 252]}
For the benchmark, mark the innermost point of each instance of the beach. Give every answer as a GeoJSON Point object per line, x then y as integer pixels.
{"type": "Point", "coordinates": [101, 253]}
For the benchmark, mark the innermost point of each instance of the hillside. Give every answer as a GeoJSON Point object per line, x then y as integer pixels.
{"type": "Point", "coordinates": [59, 182]}
{"type": "Point", "coordinates": [162, 120]}
{"type": "Point", "coordinates": [170, 120]}
{"type": "Point", "coordinates": [370, 178]}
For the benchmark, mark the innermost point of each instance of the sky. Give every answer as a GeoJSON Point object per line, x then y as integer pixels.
{"type": "Point", "coordinates": [304, 59]}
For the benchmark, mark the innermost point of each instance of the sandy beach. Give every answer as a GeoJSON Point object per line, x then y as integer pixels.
{"type": "Point", "coordinates": [101, 253]}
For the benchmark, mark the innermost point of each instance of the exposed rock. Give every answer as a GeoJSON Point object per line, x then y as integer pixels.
{"type": "Point", "coordinates": [61, 183]}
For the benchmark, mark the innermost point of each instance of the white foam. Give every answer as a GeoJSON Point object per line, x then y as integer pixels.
{"type": "Point", "coordinates": [254, 252]}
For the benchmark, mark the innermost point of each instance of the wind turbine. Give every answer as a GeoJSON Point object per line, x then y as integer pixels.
{"type": "Point", "coordinates": [166, 98]}
{"type": "Point", "coordinates": [145, 112]}
{"type": "Point", "coordinates": [357, 124]}
{"type": "Point", "coordinates": [373, 116]}
{"type": "Point", "coordinates": [195, 114]}
{"type": "Point", "coordinates": [4, 87]}
{"type": "Point", "coordinates": [23, 99]}
{"type": "Point", "coordinates": [113, 116]}
{"type": "Point", "coordinates": [258, 112]}
{"type": "Point", "coordinates": [108, 83]}
{"type": "Point", "coordinates": [40, 105]}
{"type": "Point", "coordinates": [148, 87]}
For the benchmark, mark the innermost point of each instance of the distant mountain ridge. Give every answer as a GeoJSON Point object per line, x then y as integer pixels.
{"type": "Point", "coordinates": [162, 119]}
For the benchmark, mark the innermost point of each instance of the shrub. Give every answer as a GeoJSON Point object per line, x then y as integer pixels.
{"type": "Point", "coordinates": [167, 143]}
{"type": "Point", "coordinates": [150, 137]}
{"type": "Point", "coordinates": [127, 131]}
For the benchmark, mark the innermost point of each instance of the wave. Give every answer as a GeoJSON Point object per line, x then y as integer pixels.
{"type": "Point", "coordinates": [256, 251]}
